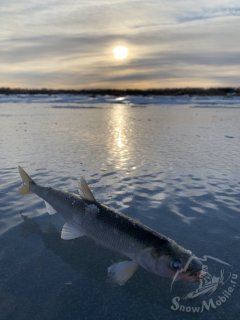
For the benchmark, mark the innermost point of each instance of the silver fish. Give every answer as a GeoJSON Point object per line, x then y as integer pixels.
{"type": "Point", "coordinates": [85, 216]}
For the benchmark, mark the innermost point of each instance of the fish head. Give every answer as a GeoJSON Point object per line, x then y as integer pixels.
{"type": "Point", "coordinates": [172, 261]}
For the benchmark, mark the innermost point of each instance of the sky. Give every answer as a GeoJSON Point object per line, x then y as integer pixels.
{"type": "Point", "coordinates": [69, 44]}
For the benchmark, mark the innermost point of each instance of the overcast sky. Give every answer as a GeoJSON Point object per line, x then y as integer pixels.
{"type": "Point", "coordinates": [68, 44]}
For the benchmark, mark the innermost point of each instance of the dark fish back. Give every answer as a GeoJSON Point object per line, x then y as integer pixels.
{"type": "Point", "coordinates": [132, 227]}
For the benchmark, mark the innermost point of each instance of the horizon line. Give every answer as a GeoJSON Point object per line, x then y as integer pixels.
{"type": "Point", "coordinates": [226, 91]}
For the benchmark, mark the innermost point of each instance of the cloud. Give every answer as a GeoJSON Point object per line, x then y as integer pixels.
{"type": "Point", "coordinates": [58, 43]}
{"type": "Point", "coordinates": [205, 14]}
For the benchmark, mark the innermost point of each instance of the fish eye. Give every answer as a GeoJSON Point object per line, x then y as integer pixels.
{"type": "Point", "coordinates": [176, 264]}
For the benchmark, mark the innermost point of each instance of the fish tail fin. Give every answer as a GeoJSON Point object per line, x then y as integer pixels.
{"type": "Point", "coordinates": [26, 181]}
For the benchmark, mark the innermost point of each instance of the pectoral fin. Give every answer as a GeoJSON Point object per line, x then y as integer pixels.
{"type": "Point", "coordinates": [122, 271]}
{"type": "Point", "coordinates": [71, 230]}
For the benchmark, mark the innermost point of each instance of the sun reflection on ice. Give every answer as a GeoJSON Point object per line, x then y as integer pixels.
{"type": "Point", "coordinates": [119, 139]}
{"type": "Point", "coordinates": [119, 136]}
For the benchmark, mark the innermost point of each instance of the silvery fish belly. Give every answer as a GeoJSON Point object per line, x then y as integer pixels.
{"type": "Point", "coordinates": [144, 247]}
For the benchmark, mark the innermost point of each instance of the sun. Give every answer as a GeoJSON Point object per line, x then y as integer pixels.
{"type": "Point", "coordinates": [120, 52]}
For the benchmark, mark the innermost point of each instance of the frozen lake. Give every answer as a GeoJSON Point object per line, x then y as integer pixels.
{"type": "Point", "coordinates": [171, 163]}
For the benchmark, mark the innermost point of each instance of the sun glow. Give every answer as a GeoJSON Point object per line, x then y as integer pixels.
{"type": "Point", "coordinates": [120, 52]}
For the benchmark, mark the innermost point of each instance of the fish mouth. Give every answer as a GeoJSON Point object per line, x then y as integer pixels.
{"type": "Point", "coordinates": [195, 271]}
{"type": "Point", "coordinates": [196, 276]}
{"type": "Point", "coordinates": [193, 276]}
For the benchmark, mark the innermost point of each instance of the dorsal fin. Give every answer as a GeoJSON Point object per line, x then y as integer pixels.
{"type": "Point", "coordinates": [85, 191]}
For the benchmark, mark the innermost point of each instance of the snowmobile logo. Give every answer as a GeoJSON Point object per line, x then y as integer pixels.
{"type": "Point", "coordinates": [209, 288]}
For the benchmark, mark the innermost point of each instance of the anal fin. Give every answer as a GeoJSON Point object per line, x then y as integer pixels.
{"type": "Point", "coordinates": [50, 209]}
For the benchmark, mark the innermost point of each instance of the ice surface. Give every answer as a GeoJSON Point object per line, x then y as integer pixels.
{"type": "Point", "coordinates": [170, 162]}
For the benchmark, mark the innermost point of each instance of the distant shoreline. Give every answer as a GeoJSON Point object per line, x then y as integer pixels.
{"type": "Point", "coordinates": [222, 91]}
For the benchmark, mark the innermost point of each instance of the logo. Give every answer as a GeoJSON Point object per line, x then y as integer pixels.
{"type": "Point", "coordinates": [214, 288]}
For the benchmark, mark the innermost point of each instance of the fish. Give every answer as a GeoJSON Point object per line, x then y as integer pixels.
{"type": "Point", "coordinates": [142, 246]}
